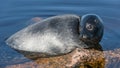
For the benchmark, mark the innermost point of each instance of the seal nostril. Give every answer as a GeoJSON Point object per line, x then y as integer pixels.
{"type": "Point", "coordinates": [84, 36]}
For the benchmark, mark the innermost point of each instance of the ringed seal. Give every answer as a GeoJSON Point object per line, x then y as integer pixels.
{"type": "Point", "coordinates": [57, 35]}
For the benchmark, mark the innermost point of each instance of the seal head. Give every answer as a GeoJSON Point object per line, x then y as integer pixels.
{"type": "Point", "coordinates": [91, 28]}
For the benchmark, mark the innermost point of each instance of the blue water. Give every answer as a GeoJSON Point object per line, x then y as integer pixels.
{"type": "Point", "coordinates": [15, 14]}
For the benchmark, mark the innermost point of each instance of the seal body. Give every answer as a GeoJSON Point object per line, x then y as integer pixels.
{"type": "Point", "coordinates": [58, 34]}
{"type": "Point", "coordinates": [54, 35]}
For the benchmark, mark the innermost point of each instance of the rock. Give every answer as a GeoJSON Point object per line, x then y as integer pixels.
{"type": "Point", "coordinates": [81, 58]}
{"type": "Point", "coordinates": [78, 58]}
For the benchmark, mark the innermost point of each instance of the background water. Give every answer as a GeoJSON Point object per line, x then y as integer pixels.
{"type": "Point", "coordinates": [14, 15]}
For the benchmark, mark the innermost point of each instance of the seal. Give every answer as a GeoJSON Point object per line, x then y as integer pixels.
{"type": "Point", "coordinates": [55, 35]}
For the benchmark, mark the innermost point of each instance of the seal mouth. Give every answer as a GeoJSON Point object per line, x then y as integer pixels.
{"type": "Point", "coordinates": [86, 37]}
{"type": "Point", "coordinates": [90, 41]}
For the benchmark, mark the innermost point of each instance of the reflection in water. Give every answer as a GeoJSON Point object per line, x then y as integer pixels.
{"type": "Point", "coordinates": [90, 58]}
{"type": "Point", "coordinates": [112, 58]}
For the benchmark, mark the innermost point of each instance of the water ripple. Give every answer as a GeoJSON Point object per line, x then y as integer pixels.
{"type": "Point", "coordinates": [15, 14]}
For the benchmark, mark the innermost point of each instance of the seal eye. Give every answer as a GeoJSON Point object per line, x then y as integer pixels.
{"type": "Point", "coordinates": [89, 27]}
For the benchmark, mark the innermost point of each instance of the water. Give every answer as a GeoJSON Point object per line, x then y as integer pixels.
{"type": "Point", "coordinates": [14, 15]}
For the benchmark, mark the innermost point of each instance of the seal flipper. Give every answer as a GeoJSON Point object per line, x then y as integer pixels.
{"type": "Point", "coordinates": [34, 20]}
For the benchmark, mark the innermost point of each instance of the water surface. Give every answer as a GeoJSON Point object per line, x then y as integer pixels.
{"type": "Point", "coordinates": [14, 15]}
